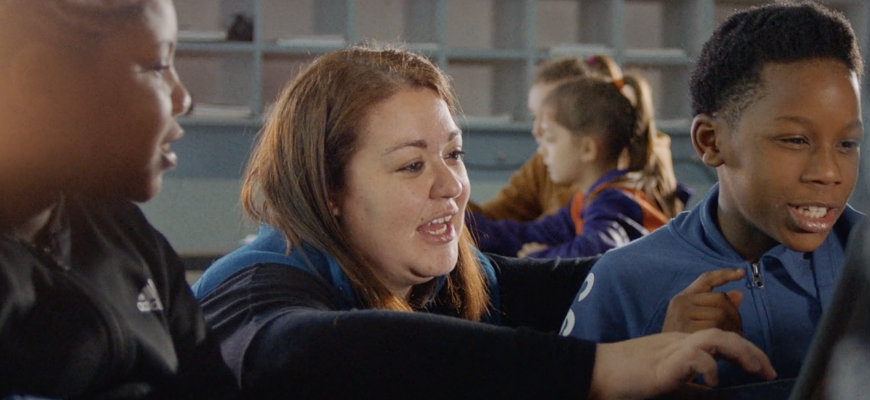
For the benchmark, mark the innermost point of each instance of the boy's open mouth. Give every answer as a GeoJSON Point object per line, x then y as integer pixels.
{"type": "Point", "coordinates": [813, 211]}
{"type": "Point", "coordinates": [814, 218]}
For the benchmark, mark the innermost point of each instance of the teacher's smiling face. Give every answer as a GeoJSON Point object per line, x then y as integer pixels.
{"type": "Point", "coordinates": [406, 188]}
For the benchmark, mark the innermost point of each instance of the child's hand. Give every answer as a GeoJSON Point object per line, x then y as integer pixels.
{"type": "Point", "coordinates": [530, 248]}
{"type": "Point", "coordinates": [698, 307]}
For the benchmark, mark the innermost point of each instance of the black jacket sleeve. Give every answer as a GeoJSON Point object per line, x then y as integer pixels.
{"type": "Point", "coordinates": [202, 373]}
{"type": "Point", "coordinates": [537, 293]}
{"type": "Point", "coordinates": [284, 335]}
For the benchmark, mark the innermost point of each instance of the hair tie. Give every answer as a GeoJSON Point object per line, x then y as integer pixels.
{"type": "Point", "coordinates": [591, 61]}
{"type": "Point", "coordinates": [619, 83]}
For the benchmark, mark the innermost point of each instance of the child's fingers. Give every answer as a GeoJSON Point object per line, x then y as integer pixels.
{"type": "Point", "coordinates": [712, 279]}
{"type": "Point", "coordinates": [736, 297]}
{"type": "Point", "coordinates": [691, 312]}
{"type": "Point", "coordinates": [730, 299]}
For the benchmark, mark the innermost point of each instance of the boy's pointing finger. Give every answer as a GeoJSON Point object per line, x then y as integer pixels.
{"type": "Point", "coordinates": [712, 279]}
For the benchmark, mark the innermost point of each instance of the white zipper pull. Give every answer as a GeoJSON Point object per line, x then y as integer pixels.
{"type": "Point", "coordinates": [756, 276]}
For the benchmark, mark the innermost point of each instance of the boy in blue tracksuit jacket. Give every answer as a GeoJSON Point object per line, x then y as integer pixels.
{"type": "Point", "coordinates": [628, 291]}
{"type": "Point", "coordinates": [777, 113]}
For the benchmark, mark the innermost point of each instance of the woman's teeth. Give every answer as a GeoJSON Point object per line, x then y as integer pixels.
{"type": "Point", "coordinates": [439, 231]}
{"type": "Point", "coordinates": [442, 226]}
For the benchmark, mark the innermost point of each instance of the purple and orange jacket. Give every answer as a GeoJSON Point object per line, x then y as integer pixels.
{"type": "Point", "coordinates": [605, 217]}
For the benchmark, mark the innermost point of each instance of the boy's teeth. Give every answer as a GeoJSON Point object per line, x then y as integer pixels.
{"type": "Point", "coordinates": [813, 211]}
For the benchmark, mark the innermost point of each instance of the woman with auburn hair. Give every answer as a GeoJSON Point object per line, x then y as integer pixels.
{"type": "Point", "coordinates": [364, 282]}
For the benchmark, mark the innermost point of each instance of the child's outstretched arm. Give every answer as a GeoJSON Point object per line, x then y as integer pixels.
{"type": "Point", "coordinates": [531, 247]}
{"type": "Point", "coordinates": [612, 219]}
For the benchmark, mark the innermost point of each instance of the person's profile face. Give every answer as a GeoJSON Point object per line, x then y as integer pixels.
{"type": "Point", "coordinates": [406, 189]}
{"type": "Point", "coordinates": [114, 106]}
{"type": "Point", "coordinates": [560, 149]}
{"type": "Point", "coordinates": [791, 159]}
{"type": "Point", "coordinates": [147, 95]}
{"type": "Point", "coordinates": [537, 93]}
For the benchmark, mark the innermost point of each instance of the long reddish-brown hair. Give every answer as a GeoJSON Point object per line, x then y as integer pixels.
{"type": "Point", "coordinates": [303, 150]}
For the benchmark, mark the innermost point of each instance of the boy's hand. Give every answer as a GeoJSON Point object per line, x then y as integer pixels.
{"type": "Point", "coordinates": [531, 247]}
{"type": "Point", "coordinates": [698, 307]}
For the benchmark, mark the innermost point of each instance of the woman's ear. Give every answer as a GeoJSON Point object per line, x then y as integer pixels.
{"type": "Point", "coordinates": [705, 139]}
{"type": "Point", "coordinates": [333, 206]}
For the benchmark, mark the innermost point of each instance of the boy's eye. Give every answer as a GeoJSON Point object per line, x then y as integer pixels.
{"type": "Point", "coordinates": [794, 141]}
{"type": "Point", "coordinates": [160, 67]}
{"type": "Point", "coordinates": [850, 145]}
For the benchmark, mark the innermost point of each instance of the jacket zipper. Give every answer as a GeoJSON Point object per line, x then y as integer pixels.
{"type": "Point", "coordinates": [756, 276]}
{"type": "Point", "coordinates": [112, 326]}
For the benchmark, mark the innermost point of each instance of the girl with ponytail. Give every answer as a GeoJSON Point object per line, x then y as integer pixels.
{"type": "Point", "coordinates": [598, 134]}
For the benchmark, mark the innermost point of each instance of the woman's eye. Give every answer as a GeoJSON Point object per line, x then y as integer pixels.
{"type": "Point", "coordinates": [412, 167]}
{"type": "Point", "coordinates": [456, 155]}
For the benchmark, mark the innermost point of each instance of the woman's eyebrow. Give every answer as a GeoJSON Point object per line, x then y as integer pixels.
{"type": "Point", "coordinates": [420, 143]}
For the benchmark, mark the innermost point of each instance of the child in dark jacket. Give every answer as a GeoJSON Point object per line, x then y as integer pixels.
{"type": "Point", "coordinates": [94, 303]}
{"type": "Point", "coordinates": [586, 124]}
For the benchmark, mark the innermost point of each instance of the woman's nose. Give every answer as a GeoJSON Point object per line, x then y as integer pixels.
{"type": "Point", "coordinates": [448, 183]}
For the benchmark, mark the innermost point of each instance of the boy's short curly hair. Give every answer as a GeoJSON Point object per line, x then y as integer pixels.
{"type": "Point", "coordinates": [727, 76]}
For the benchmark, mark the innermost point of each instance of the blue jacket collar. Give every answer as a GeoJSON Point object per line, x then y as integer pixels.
{"type": "Point", "coordinates": [270, 247]}
{"type": "Point", "coordinates": [798, 265]}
